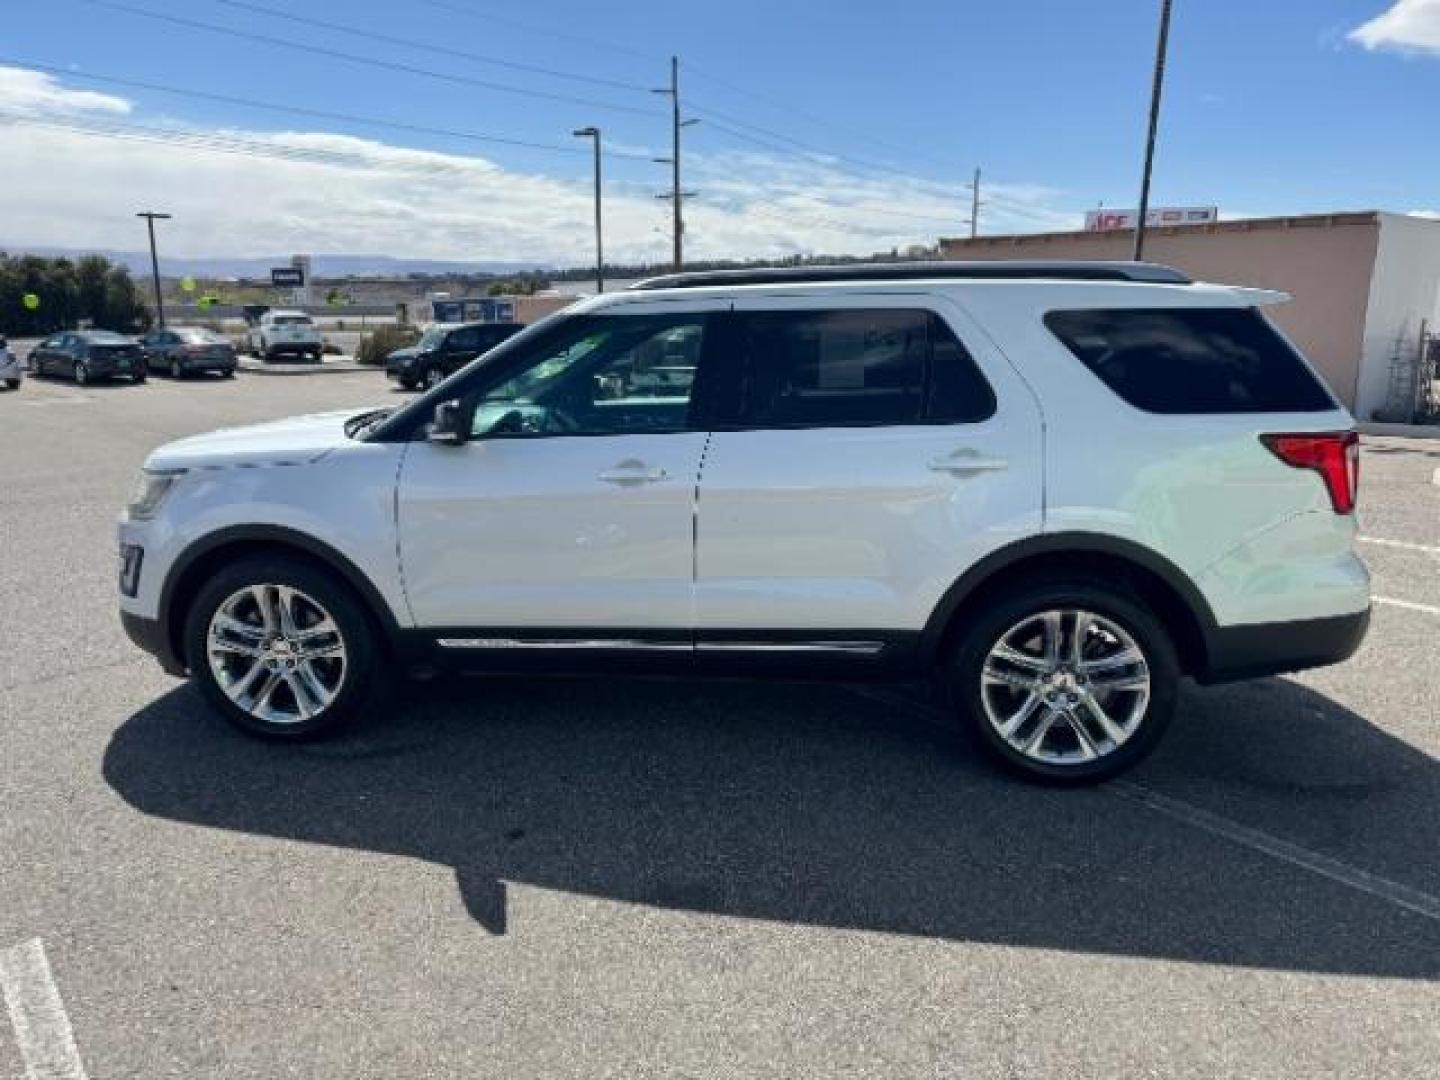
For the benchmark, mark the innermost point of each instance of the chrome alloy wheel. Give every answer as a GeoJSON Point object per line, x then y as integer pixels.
{"type": "Point", "coordinates": [1065, 687]}
{"type": "Point", "coordinates": [276, 653]}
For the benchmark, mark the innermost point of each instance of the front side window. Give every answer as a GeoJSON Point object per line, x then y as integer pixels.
{"type": "Point", "coordinates": [859, 367]}
{"type": "Point", "coordinates": [1191, 360]}
{"type": "Point", "coordinates": [599, 375]}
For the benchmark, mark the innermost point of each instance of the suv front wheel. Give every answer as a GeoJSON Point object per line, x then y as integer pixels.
{"type": "Point", "coordinates": [1066, 682]}
{"type": "Point", "coordinates": [282, 648]}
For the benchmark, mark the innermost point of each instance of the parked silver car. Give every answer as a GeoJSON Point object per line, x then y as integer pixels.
{"type": "Point", "coordinates": [10, 372]}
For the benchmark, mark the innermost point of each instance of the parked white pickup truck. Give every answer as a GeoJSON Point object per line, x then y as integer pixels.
{"type": "Point", "coordinates": [279, 332]}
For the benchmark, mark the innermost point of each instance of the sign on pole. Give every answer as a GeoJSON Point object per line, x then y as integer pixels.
{"type": "Point", "coordinates": [287, 277]}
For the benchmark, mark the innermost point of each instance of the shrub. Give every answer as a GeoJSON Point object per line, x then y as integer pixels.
{"type": "Point", "coordinates": [376, 346]}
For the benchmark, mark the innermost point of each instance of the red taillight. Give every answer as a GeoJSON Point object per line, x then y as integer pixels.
{"type": "Point", "coordinates": [1335, 455]}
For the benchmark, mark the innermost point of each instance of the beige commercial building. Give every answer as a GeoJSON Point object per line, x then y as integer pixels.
{"type": "Point", "coordinates": [1364, 284]}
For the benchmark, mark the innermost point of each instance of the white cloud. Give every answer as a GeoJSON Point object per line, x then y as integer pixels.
{"type": "Point", "coordinates": [34, 93]}
{"type": "Point", "coordinates": [237, 192]}
{"type": "Point", "coordinates": [1408, 26]}
{"type": "Point", "coordinates": [1428, 215]}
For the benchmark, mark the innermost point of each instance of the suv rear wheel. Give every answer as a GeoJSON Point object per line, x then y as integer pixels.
{"type": "Point", "coordinates": [1066, 682]}
{"type": "Point", "coordinates": [282, 648]}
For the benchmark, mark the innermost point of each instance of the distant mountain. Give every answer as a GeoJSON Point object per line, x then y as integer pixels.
{"type": "Point", "coordinates": [213, 266]}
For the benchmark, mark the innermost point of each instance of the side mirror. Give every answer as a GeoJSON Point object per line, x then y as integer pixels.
{"type": "Point", "coordinates": [451, 426]}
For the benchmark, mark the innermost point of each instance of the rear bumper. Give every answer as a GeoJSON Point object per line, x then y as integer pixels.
{"type": "Point", "coordinates": [1248, 652]}
{"type": "Point", "coordinates": [150, 635]}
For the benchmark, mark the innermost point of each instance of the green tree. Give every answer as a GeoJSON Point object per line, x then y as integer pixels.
{"type": "Point", "coordinates": [92, 288]}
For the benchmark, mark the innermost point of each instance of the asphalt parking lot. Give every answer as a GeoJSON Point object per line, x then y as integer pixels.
{"type": "Point", "coordinates": [584, 878]}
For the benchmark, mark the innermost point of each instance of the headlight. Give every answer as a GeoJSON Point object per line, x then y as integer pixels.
{"type": "Point", "coordinates": [150, 492]}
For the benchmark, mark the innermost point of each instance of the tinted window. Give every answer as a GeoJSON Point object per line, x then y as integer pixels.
{"type": "Point", "coordinates": [1191, 360]}
{"type": "Point", "coordinates": [857, 367]}
{"type": "Point", "coordinates": [467, 338]}
{"type": "Point", "coordinates": [107, 337]}
{"type": "Point", "coordinates": [598, 375]}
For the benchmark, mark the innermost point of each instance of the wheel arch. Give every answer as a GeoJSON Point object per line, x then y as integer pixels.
{"type": "Point", "coordinates": [224, 546]}
{"type": "Point", "coordinates": [1169, 591]}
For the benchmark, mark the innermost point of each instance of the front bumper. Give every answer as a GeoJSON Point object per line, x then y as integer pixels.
{"type": "Point", "coordinates": [151, 635]}
{"type": "Point", "coordinates": [1251, 651]}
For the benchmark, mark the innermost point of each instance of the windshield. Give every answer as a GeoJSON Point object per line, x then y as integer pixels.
{"type": "Point", "coordinates": [432, 338]}
{"type": "Point", "coordinates": [291, 320]}
{"type": "Point", "coordinates": [106, 337]}
{"type": "Point", "coordinates": [200, 337]}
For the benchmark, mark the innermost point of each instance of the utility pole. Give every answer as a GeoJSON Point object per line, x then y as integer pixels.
{"type": "Point", "coordinates": [594, 133]}
{"type": "Point", "coordinates": [676, 194]}
{"type": "Point", "coordinates": [150, 217]}
{"type": "Point", "coordinates": [975, 205]}
{"type": "Point", "coordinates": [1161, 47]}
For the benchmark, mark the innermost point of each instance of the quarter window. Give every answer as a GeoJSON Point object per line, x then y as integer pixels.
{"type": "Point", "coordinates": [1191, 360]}
{"type": "Point", "coordinates": [857, 367]}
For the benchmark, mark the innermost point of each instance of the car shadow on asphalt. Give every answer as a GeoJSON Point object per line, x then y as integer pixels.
{"type": "Point", "coordinates": [810, 804]}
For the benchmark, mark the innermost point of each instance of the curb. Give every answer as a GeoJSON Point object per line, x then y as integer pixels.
{"type": "Point", "coordinates": [253, 367]}
{"type": "Point", "coordinates": [1401, 431]}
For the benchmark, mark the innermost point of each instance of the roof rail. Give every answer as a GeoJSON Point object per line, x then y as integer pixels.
{"type": "Point", "coordinates": [999, 270]}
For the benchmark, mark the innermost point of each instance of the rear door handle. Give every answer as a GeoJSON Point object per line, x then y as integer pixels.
{"type": "Point", "coordinates": [963, 462]}
{"type": "Point", "coordinates": [632, 472]}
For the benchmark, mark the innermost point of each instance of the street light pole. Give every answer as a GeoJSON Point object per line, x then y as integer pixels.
{"type": "Point", "coordinates": [1161, 46]}
{"type": "Point", "coordinates": [150, 217]}
{"type": "Point", "coordinates": [594, 133]}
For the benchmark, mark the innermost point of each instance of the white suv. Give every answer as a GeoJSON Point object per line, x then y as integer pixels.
{"type": "Point", "coordinates": [1059, 487]}
{"type": "Point", "coordinates": [279, 333]}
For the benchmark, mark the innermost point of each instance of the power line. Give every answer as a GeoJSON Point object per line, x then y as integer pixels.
{"type": "Point", "coordinates": [775, 136]}
{"type": "Point", "coordinates": [357, 58]}
{"type": "Point", "coordinates": [819, 121]}
{"type": "Point", "coordinates": [227, 144]}
{"type": "Point", "coordinates": [425, 46]}
{"type": "Point", "coordinates": [300, 110]}
{"type": "Point", "coordinates": [562, 35]}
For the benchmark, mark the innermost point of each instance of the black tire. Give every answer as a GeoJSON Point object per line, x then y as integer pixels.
{"type": "Point", "coordinates": [12, 384]}
{"type": "Point", "coordinates": [228, 372]}
{"type": "Point", "coordinates": [1113, 602]}
{"type": "Point", "coordinates": [139, 377]}
{"type": "Point", "coordinates": [362, 684]}
{"type": "Point", "coordinates": [432, 377]}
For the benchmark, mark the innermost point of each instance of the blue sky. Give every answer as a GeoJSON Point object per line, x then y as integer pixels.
{"type": "Point", "coordinates": [834, 126]}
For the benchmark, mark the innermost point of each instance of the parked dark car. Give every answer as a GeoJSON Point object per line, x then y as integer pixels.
{"type": "Point", "coordinates": [444, 350]}
{"type": "Point", "coordinates": [188, 350]}
{"type": "Point", "coordinates": [88, 355]}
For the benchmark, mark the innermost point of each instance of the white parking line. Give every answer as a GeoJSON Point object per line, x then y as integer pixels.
{"type": "Point", "coordinates": [1408, 605]}
{"type": "Point", "coordinates": [1404, 896]}
{"type": "Point", "coordinates": [42, 1028]}
{"type": "Point", "coordinates": [1403, 545]}
{"type": "Point", "coordinates": [1400, 895]}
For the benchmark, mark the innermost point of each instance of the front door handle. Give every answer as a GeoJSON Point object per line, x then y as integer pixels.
{"type": "Point", "coordinates": [632, 472]}
{"type": "Point", "coordinates": [964, 462]}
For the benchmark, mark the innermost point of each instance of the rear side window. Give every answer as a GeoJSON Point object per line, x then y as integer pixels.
{"type": "Point", "coordinates": [1191, 360]}
{"type": "Point", "coordinates": [856, 368]}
